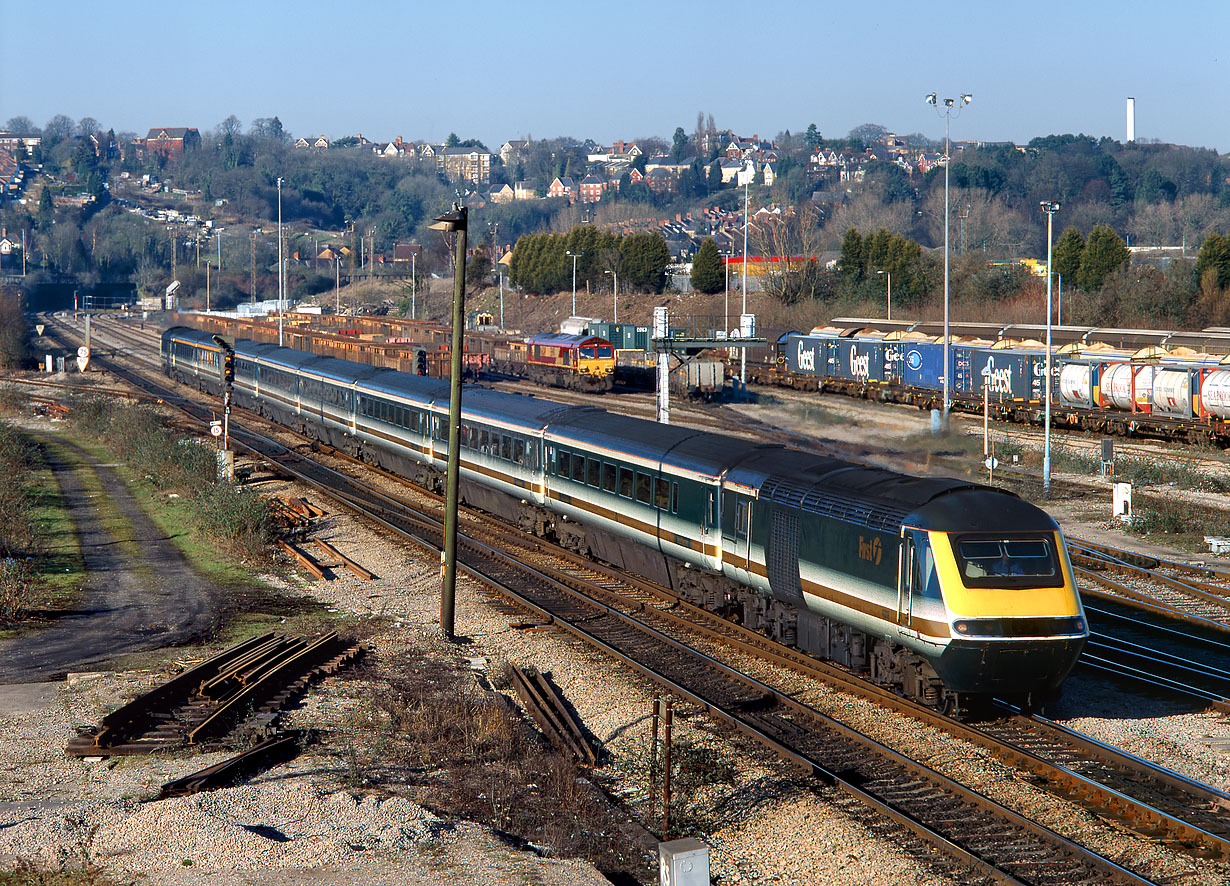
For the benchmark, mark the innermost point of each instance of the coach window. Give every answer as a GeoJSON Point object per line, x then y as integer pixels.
{"type": "Point", "coordinates": [505, 447]}
{"type": "Point", "coordinates": [625, 482]}
{"type": "Point", "coordinates": [661, 493]}
{"type": "Point", "coordinates": [519, 451]}
{"type": "Point", "coordinates": [578, 468]}
{"type": "Point", "coordinates": [644, 488]}
{"type": "Point", "coordinates": [594, 472]}
{"type": "Point", "coordinates": [565, 463]}
{"type": "Point", "coordinates": [608, 476]}
{"type": "Point", "coordinates": [742, 512]}
{"type": "Point", "coordinates": [674, 497]}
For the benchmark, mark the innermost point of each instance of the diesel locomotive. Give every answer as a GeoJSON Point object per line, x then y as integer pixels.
{"type": "Point", "coordinates": [943, 588]}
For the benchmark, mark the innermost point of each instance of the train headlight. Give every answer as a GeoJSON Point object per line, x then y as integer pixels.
{"type": "Point", "coordinates": [961, 627]}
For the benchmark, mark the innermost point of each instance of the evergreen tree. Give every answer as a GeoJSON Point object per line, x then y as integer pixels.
{"type": "Point", "coordinates": [1215, 255]}
{"type": "Point", "coordinates": [852, 264]}
{"type": "Point", "coordinates": [1066, 257]}
{"type": "Point", "coordinates": [644, 258]}
{"type": "Point", "coordinates": [708, 273]}
{"type": "Point", "coordinates": [1103, 254]}
{"type": "Point", "coordinates": [812, 137]}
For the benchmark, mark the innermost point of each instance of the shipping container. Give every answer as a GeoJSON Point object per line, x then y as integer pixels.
{"type": "Point", "coordinates": [922, 365]}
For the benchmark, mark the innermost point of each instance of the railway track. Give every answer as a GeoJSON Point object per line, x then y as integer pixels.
{"type": "Point", "coordinates": [905, 791]}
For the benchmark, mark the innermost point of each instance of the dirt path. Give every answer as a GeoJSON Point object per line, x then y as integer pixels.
{"type": "Point", "coordinates": [131, 602]}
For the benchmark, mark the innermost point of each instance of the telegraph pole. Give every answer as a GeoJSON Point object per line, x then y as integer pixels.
{"type": "Point", "coordinates": [457, 222]}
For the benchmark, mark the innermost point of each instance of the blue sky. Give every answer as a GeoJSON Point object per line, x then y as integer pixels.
{"type": "Point", "coordinates": [497, 71]}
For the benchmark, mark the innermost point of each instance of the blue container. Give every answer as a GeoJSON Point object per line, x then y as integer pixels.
{"type": "Point", "coordinates": [808, 354]}
{"type": "Point", "coordinates": [922, 365]}
{"type": "Point", "coordinates": [1011, 374]}
{"type": "Point", "coordinates": [855, 359]}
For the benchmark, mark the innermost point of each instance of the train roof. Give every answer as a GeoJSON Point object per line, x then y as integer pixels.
{"type": "Point", "coordinates": [564, 339]}
{"type": "Point", "coordinates": [525, 410]}
{"type": "Point", "coordinates": [683, 448]}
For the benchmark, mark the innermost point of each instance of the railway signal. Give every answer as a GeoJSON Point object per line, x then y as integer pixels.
{"type": "Point", "coordinates": [420, 361]}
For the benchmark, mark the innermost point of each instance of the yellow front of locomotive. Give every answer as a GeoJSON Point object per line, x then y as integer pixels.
{"type": "Point", "coordinates": [1016, 623]}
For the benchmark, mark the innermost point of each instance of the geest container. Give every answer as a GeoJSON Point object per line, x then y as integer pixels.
{"type": "Point", "coordinates": [808, 354]}
{"type": "Point", "coordinates": [922, 365]}
{"type": "Point", "coordinates": [857, 360]}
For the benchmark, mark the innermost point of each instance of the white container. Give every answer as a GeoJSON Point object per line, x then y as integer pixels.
{"type": "Point", "coordinates": [1215, 393]}
{"type": "Point", "coordinates": [1076, 384]}
{"type": "Point", "coordinates": [1172, 392]}
{"type": "Point", "coordinates": [1117, 386]}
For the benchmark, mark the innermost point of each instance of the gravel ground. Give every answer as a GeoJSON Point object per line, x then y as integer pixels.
{"type": "Point", "coordinates": [297, 825]}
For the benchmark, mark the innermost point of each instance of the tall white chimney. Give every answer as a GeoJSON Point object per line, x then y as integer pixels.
{"type": "Point", "coordinates": [1131, 119]}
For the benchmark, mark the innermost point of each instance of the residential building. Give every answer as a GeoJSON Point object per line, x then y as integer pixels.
{"type": "Point", "coordinates": [171, 142]}
{"type": "Point", "coordinates": [321, 143]}
{"type": "Point", "coordinates": [591, 188]}
{"type": "Point", "coordinates": [468, 164]}
{"type": "Point", "coordinates": [523, 190]}
{"type": "Point", "coordinates": [10, 140]}
{"type": "Point", "coordinates": [661, 181]}
{"type": "Point", "coordinates": [501, 194]}
{"type": "Point", "coordinates": [562, 187]}
{"type": "Point", "coordinates": [512, 149]}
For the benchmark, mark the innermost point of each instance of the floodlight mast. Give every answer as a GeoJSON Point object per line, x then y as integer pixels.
{"type": "Point", "coordinates": [933, 100]}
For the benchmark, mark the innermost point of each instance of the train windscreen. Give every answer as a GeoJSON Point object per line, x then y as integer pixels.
{"type": "Point", "coordinates": [987, 561]}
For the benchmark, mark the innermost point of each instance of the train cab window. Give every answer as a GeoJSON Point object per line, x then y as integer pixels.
{"type": "Point", "coordinates": [661, 493]}
{"type": "Point", "coordinates": [605, 352]}
{"type": "Point", "coordinates": [608, 477]}
{"type": "Point", "coordinates": [994, 562]}
{"type": "Point", "coordinates": [644, 488]}
{"type": "Point", "coordinates": [593, 472]}
{"type": "Point", "coordinates": [625, 482]}
{"type": "Point", "coordinates": [565, 463]}
{"type": "Point", "coordinates": [519, 451]}
{"type": "Point", "coordinates": [588, 353]}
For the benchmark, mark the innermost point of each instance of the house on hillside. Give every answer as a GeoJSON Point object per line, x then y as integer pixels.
{"type": "Point", "coordinates": [171, 142]}
{"type": "Point", "coordinates": [562, 187]}
{"type": "Point", "coordinates": [591, 188]}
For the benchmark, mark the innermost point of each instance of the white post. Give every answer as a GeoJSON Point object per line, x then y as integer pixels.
{"type": "Point", "coordinates": [501, 299]}
{"type": "Point", "coordinates": [726, 316]}
{"type": "Point", "coordinates": [281, 284]}
{"type": "Point", "coordinates": [414, 283]}
{"type": "Point", "coordinates": [1058, 294]}
{"type": "Point", "coordinates": [615, 295]}
{"type": "Point", "coordinates": [206, 286]}
{"type": "Point", "coordinates": [1050, 208]}
{"type": "Point", "coordinates": [575, 256]}
{"type": "Point", "coordinates": [661, 330]}
{"type": "Point", "coordinates": [337, 285]}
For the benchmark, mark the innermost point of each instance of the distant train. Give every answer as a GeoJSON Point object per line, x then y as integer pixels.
{"type": "Point", "coordinates": [945, 589]}
{"type": "Point", "coordinates": [1099, 382]}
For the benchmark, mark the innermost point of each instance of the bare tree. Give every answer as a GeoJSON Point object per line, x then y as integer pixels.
{"type": "Point", "coordinates": [791, 245]}
{"type": "Point", "coordinates": [866, 212]}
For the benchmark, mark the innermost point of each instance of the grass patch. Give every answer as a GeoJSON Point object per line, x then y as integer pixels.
{"type": "Point", "coordinates": [27, 875]}
{"type": "Point", "coordinates": [1184, 526]}
{"type": "Point", "coordinates": [40, 560]}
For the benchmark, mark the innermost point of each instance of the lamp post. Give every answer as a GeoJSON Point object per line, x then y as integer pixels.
{"type": "Point", "coordinates": [575, 256]}
{"type": "Point", "coordinates": [614, 293]}
{"type": "Point", "coordinates": [501, 273]}
{"type": "Point", "coordinates": [1050, 207]}
{"type": "Point", "coordinates": [457, 222]}
{"type": "Point", "coordinates": [748, 172]}
{"type": "Point", "coordinates": [1058, 294]}
{"type": "Point", "coordinates": [414, 283]}
{"type": "Point", "coordinates": [949, 104]}
{"type": "Point", "coordinates": [281, 284]}
{"type": "Point", "coordinates": [337, 285]}
{"type": "Point", "coordinates": [890, 292]}
{"type": "Point", "coordinates": [206, 286]}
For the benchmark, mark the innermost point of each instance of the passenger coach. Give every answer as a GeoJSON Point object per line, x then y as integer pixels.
{"type": "Point", "coordinates": [943, 588]}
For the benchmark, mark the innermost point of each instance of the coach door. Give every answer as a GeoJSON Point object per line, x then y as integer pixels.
{"type": "Point", "coordinates": [736, 526]}
{"type": "Point", "coordinates": [907, 578]}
